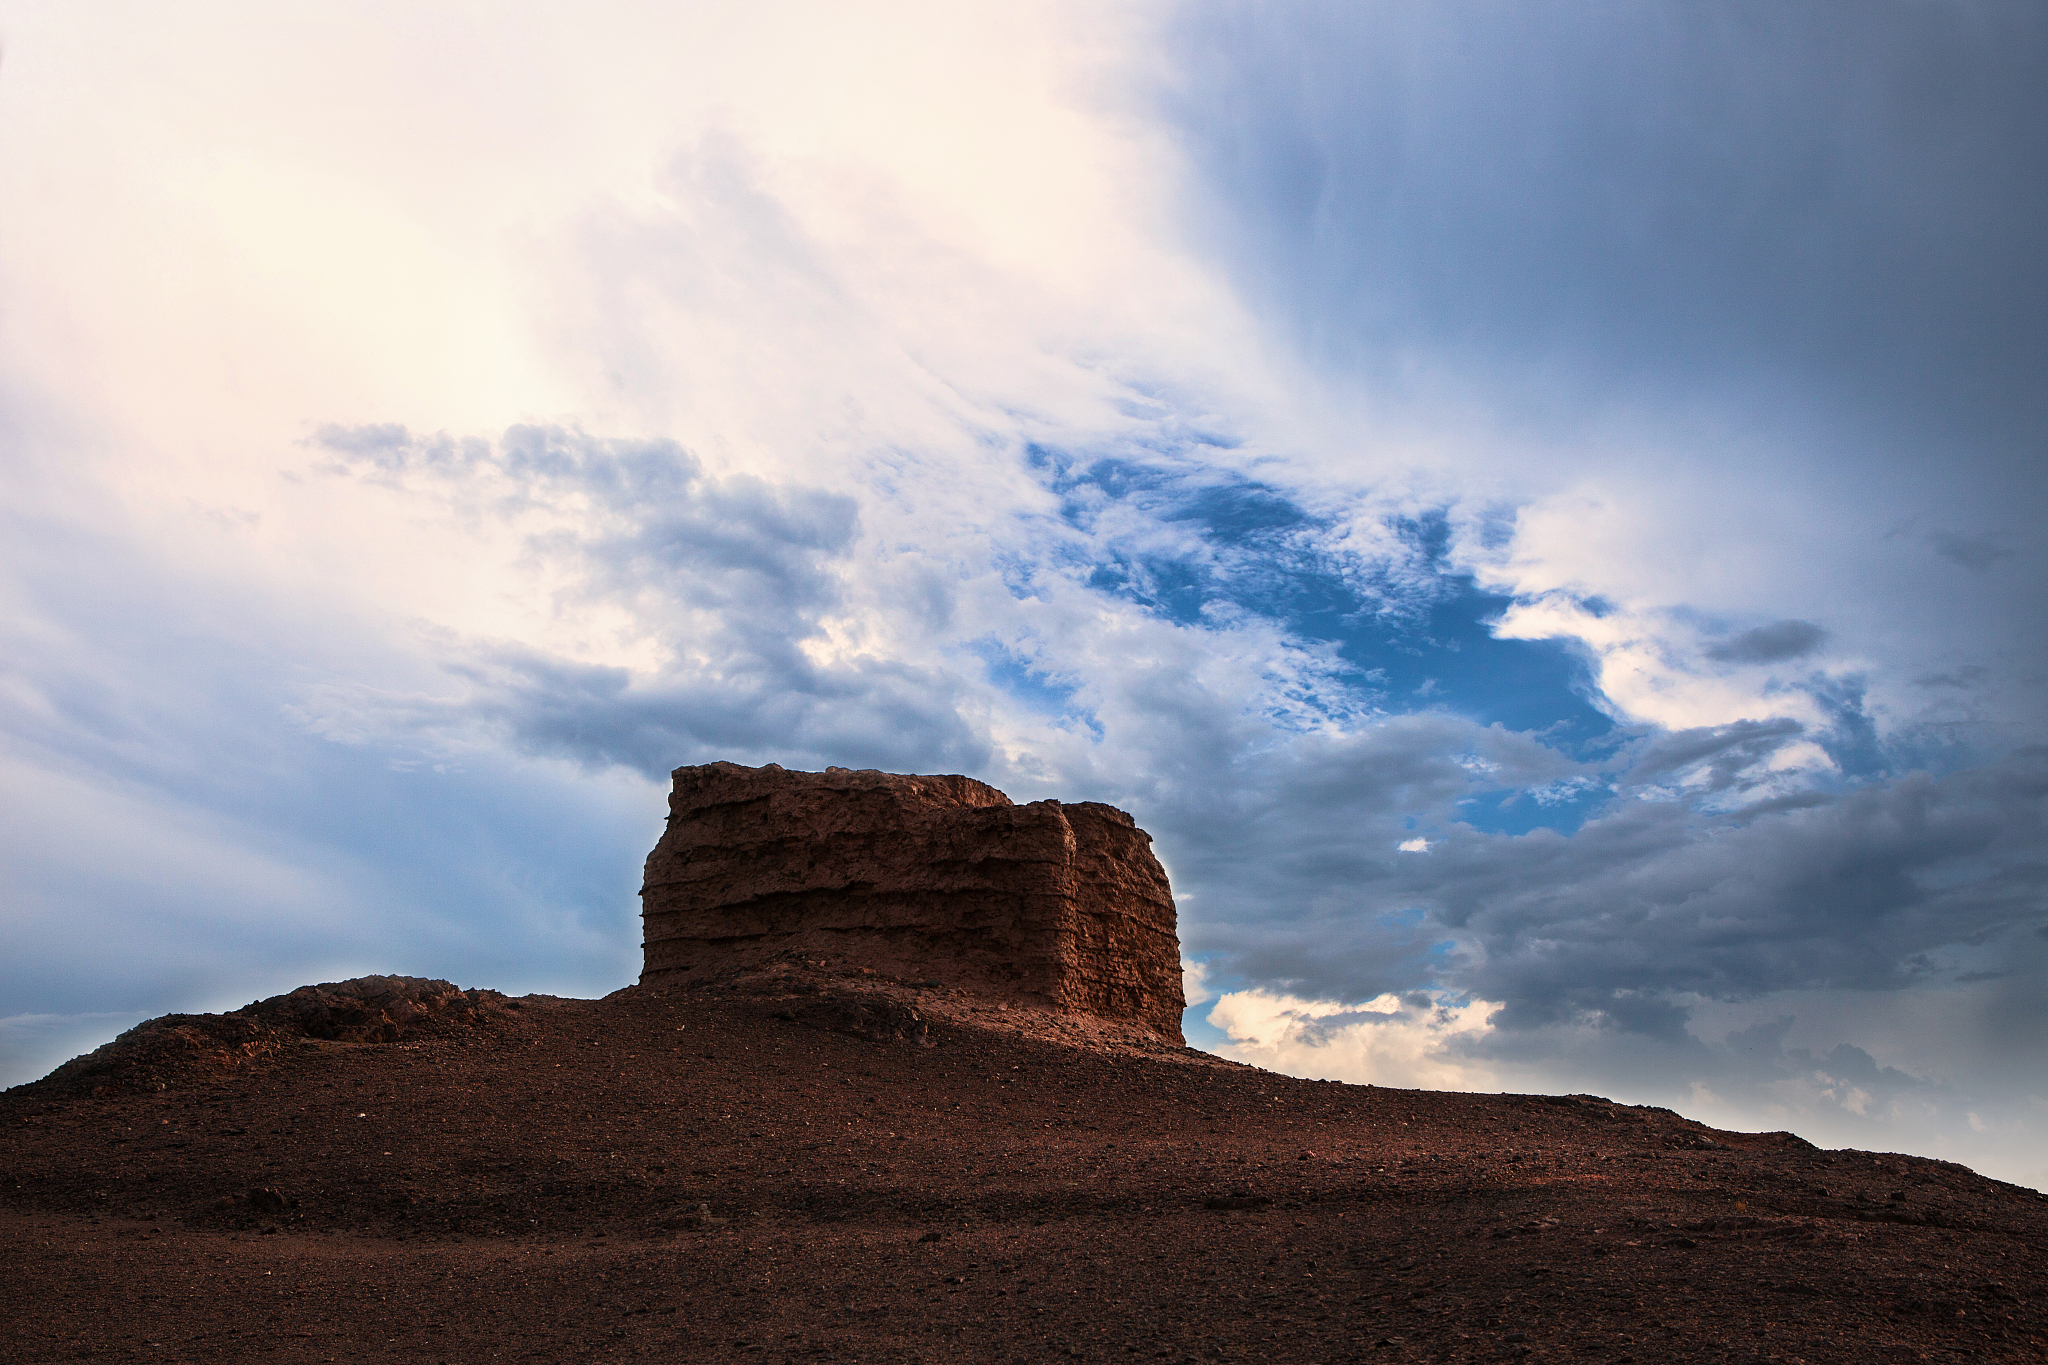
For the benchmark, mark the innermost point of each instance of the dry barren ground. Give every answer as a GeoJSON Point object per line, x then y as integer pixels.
{"type": "Point", "coordinates": [814, 1169]}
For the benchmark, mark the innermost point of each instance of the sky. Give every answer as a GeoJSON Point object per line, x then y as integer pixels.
{"type": "Point", "coordinates": [1535, 508]}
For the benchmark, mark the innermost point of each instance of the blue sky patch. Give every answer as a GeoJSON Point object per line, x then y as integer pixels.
{"type": "Point", "coordinates": [1183, 541]}
{"type": "Point", "coordinates": [1040, 690]}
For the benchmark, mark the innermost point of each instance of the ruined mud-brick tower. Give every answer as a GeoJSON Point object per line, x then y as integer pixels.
{"type": "Point", "coordinates": [919, 878]}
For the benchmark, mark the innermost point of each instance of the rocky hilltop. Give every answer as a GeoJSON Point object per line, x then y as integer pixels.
{"type": "Point", "coordinates": [895, 1089]}
{"type": "Point", "coordinates": [938, 880]}
{"type": "Point", "coordinates": [708, 1174]}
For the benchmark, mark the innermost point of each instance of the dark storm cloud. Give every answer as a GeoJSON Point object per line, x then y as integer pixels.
{"type": "Point", "coordinates": [1298, 880]}
{"type": "Point", "coordinates": [730, 576]}
{"type": "Point", "coordinates": [1856, 892]}
{"type": "Point", "coordinates": [1775, 643]}
{"type": "Point", "coordinates": [1289, 856]}
{"type": "Point", "coordinates": [1838, 201]}
{"type": "Point", "coordinates": [1719, 756]}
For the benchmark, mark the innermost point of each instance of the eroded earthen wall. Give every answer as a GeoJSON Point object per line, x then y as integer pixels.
{"type": "Point", "coordinates": [922, 878]}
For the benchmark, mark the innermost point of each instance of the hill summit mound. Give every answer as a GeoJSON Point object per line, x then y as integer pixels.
{"type": "Point", "coordinates": [182, 1048]}
{"type": "Point", "coordinates": [942, 881]}
{"type": "Point", "coordinates": [725, 1173]}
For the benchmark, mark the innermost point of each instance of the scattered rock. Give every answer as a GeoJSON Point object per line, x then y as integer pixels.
{"type": "Point", "coordinates": [160, 1052]}
{"type": "Point", "coordinates": [699, 1218]}
{"type": "Point", "coordinates": [264, 1199]}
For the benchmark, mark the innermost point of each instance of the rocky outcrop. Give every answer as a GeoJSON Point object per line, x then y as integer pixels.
{"type": "Point", "coordinates": [944, 879]}
{"type": "Point", "coordinates": [368, 1009]}
{"type": "Point", "coordinates": [376, 1009]}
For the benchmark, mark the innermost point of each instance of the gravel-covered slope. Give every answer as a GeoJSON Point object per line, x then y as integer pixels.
{"type": "Point", "coordinates": [818, 1169]}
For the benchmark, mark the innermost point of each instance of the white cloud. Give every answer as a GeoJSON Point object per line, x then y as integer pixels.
{"type": "Point", "coordinates": [1420, 1040]}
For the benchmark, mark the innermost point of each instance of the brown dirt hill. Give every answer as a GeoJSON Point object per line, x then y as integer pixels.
{"type": "Point", "coordinates": [187, 1048]}
{"type": "Point", "coordinates": [1054, 905]}
{"type": "Point", "coordinates": [801, 1164]}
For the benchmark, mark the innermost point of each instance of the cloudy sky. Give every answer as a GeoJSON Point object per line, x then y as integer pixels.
{"type": "Point", "coordinates": [1537, 508]}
